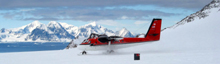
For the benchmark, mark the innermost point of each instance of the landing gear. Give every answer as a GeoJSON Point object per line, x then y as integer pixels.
{"type": "Point", "coordinates": [109, 47]}
{"type": "Point", "coordinates": [84, 52]}
{"type": "Point", "coordinates": [110, 51]}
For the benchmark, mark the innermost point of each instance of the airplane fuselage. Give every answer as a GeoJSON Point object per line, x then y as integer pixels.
{"type": "Point", "coordinates": [113, 45]}
{"type": "Point", "coordinates": [104, 42]}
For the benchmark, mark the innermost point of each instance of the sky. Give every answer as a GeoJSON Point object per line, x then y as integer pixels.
{"type": "Point", "coordinates": [135, 15]}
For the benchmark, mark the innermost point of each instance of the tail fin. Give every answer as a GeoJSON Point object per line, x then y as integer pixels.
{"type": "Point", "coordinates": [154, 30]}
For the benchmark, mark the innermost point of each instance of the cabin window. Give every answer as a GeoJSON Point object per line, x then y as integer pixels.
{"type": "Point", "coordinates": [103, 40]}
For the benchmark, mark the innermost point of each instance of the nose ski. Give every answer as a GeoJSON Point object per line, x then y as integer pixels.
{"type": "Point", "coordinates": [84, 52]}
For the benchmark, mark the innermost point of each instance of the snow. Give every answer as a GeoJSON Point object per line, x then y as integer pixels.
{"type": "Point", "coordinates": [19, 34]}
{"type": "Point", "coordinates": [17, 29]}
{"type": "Point", "coordinates": [124, 33]}
{"type": "Point", "coordinates": [44, 27]}
{"type": "Point", "coordinates": [79, 40]}
{"type": "Point", "coordinates": [13, 38]}
{"type": "Point", "coordinates": [54, 24]}
{"type": "Point", "coordinates": [30, 26]}
{"type": "Point", "coordinates": [87, 29]}
{"type": "Point", "coordinates": [92, 23]}
{"type": "Point", "coordinates": [65, 25]}
{"type": "Point", "coordinates": [83, 31]}
{"type": "Point", "coordinates": [34, 25]}
{"type": "Point", "coordinates": [70, 28]}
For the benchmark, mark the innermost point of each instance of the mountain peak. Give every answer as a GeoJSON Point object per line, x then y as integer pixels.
{"type": "Point", "coordinates": [124, 33]}
{"type": "Point", "coordinates": [124, 29]}
{"type": "Point", "coordinates": [31, 26]}
{"type": "Point", "coordinates": [93, 23]}
{"type": "Point", "coordinates": [36, 22]}
{"type": "Point", "coordinates": [65, 24]}
{"type": "Point", "coordinates": [54, 24]}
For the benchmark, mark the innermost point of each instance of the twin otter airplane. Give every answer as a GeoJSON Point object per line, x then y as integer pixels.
{"type": "Point", "coordinates": [103, 42]}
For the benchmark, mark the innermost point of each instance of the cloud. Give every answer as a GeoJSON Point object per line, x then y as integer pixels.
{"type": "Point", "coordinates": [189, 4]}
{"type": "Point", "coordinates": [10, 15]}
{"type": "Point", "coordinates": [91, 10]}
{"type": "Point", "coordinates": [124, 17]}
{"type": "Point", "coordinates": [108, 22]}
{"type": "Point", "coordinates": [27, 10]}
{"type": "Point", "coordinates": [85, 14]}
{"type": "Point", "coordinates": [140, 22]}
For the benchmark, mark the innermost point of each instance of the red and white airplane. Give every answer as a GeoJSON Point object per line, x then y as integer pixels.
{"type": "Point", "coordinates": [103, 42]}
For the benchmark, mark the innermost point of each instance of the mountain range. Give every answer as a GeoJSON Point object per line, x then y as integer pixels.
{"type": "Point", "coordinates": [56, 32]}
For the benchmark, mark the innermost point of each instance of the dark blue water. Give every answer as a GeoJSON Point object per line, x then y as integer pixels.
{"type": "Point", "coordinates": [31, 46]}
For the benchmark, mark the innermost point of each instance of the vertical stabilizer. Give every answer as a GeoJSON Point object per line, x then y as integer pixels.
{"type": "Point", "coordinates": [154, 30]}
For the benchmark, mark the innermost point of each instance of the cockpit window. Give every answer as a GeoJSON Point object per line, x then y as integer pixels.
{"type": "Point", "coordinates": [93, 35]}
{"type": "Point", "coordinates": [86, 40]}
{"type": "Point", "coordinates": [102, 38]}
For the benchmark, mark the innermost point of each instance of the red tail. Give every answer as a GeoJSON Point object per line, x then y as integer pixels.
{"type": "Point", "coordinates": [154, 30]}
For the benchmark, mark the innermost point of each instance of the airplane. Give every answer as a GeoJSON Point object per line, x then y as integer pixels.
{"type": "Point", "coordinates": [103, 42]}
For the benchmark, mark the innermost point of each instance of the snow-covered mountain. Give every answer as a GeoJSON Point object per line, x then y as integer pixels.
{"type": "Point", "coordinates": [124, 33]}
{"type": "Point", "coordinates": [27, 28]}
{"type": "Point", "coordinates": [41, 33]}
{"type": "Point", "coordinates": [19, 34]}
{"type": "Point", "coordinates": [87, 29]}
{"type": "Point", "coordinates": [54, 31]}
{"type": "Point", "coordinates": [203, 13]}
{"type": "Point", "coordinates": [59, 31]}
{"type": "Point", "coordinates": [70, 28]}
{"type": "Point", "coordinates": [4, 33]}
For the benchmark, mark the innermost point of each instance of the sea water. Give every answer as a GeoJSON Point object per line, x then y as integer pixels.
{"type": "Point", "coordinates": [31, 46]}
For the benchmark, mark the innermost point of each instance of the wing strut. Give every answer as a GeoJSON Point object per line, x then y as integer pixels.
{"type": "Point", "coordinates": [109, 47]}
